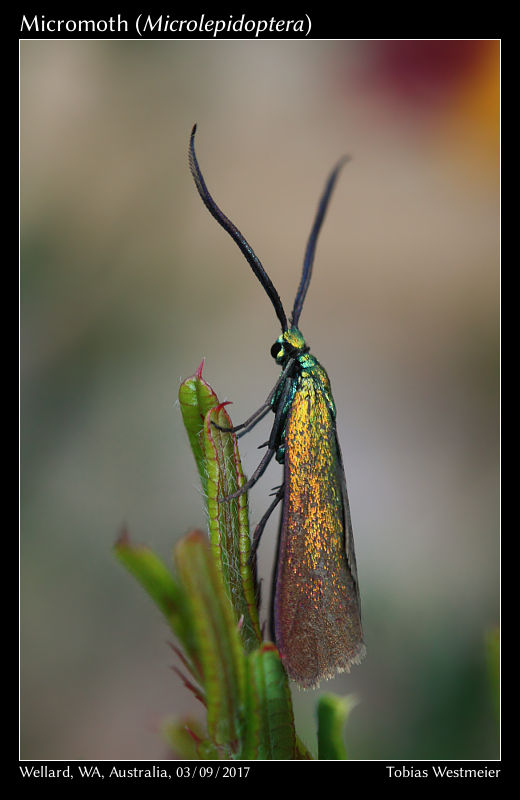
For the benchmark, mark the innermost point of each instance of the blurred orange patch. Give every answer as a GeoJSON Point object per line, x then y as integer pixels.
{"type": "Point", "coordinates": [474, 119]}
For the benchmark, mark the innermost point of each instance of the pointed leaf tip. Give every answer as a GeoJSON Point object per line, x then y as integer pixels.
{"type": "Point", "coordinates": [123, 540]}
{"type": "Point", "coordinates": [191, 686]}
{"type": "Point", "coordinates": [196, 535]}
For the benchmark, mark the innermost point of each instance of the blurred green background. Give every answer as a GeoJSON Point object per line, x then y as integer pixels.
{"type": "Point", "coordinates": [127, 282]}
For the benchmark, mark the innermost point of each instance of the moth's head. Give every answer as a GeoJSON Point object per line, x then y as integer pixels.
{"type": "Point", "coordinates": [288, 345]}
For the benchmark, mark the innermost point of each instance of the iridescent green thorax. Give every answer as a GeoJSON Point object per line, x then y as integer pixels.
{"type": "Point", "coordinates": [305, 377]}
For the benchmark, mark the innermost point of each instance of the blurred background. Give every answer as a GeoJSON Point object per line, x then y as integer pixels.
{"type": "Point", "coordinates": [127, 282]}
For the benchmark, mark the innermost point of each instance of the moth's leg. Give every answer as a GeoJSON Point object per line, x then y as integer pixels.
{"type": "Point", "coordinates": [264, 408]}
{"type": "Point", "coordinates": [261, 525]}
{"type": "Point", "coordinates": [273, 445]}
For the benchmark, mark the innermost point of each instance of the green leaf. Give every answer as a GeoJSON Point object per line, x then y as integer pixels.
{"type": "Point", "coordinates": [269, 727]}
{"type": "Point", "coordinates": [164, 590]}
{"type": "Point", "coordinates": [218, 461]}
{"type": "Point", "coordinates": [228, 522]}
{"type": "Point", "coordinates": [196, 397]}
{"type": "Point", "coordinates": [332, 715]}
{"type": "Point", "coordinates": [218, 642]}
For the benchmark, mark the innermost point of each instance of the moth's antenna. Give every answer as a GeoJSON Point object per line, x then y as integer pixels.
{"type": "Point", "coordinates": [311, 244]}
{"type": "Point", "coordinates": [245, 248]}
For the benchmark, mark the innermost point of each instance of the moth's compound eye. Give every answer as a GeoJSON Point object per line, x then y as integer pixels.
{"type": "Point", "coordinates": [275, 349]}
